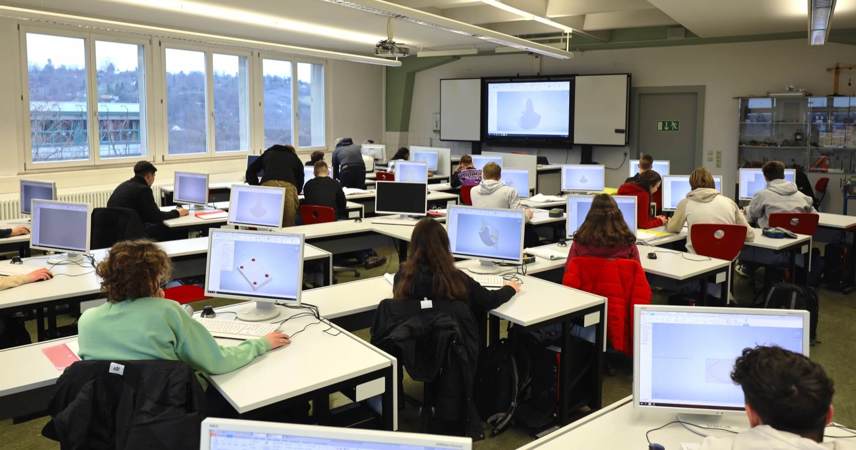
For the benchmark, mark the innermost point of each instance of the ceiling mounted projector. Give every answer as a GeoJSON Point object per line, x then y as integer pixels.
{"type": "Point", "coordinates": [388, 48]}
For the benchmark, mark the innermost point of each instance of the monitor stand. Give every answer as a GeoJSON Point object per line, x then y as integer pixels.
{"type": "Point", "coordinates": [259, 311]}
{"type": "Point", "coordinates": [705, 420]}
{"type": "Point", "coordinates": [486, 268]}
{"type": "Point", "coordinates": [66, 258]}
{"type": "Point", "coordinates": [194, 207]}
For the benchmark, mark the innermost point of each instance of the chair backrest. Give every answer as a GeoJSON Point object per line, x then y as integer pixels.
{"type": "Point", "coordinates": [111, 225]}
{"type": "Point", "coordinates": [384, 176]}
{"type": "Point", "coordinates": [542, 160]}
{"type": "Point", "coordinates": [802, 223]}
{"type": "Point", "coordinates": [722, 241]}
{"type": "Point", "coordinates": [369, 162]}
{"type": "Point", "coordinates": [311, 214]}
{"type": "Point", "coordinates": [466, 195]}
{"type": "Point", "coordinates": [185, 293]}
{"type": "Point", "coordinates": [822, 184]}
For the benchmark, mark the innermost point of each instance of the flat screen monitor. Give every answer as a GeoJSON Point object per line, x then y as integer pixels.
{"type": "Point", "coordinates": [683, 356]}
{"type": "Point", "coordinates": [428, 157]}
{"type": "Point", "coordinates": [190, 188]}
{"type": "Point", "coordinates": [479, 161]}
{"type": "Point", "coordinates": [751, 181]}
{"type": "Point", "coordinates": [490, 235]}
{"type": "Point", "coordinates": [61, 227]}
{"type": "Point", "coordinates": [233, 434]}
{"type": "Point", "coordinates": [376, 151]}
{"type": "Point", "coordinates": [528, 109]}
{"type": "Point", "coordinates": [583, 178]}
{"type": "Point", "coordinates": [35, 190]}
{"type": "Point", "coordinates": [256, 206]}
{"type": "Point", "coordinates": [579, 206]}
{"type": "Point", "coordinates": [258, 266]}
{"type": "Point", "coordinates": [676, 187]}
{"type": "Point", "coordinates": [251, 159]}
{"type": "Point", "coordinates": [397, 197]}
{"type": "Point", "coordinates": [659, 166]}
{"type": "Point", "coordinates": [518, 179]}
{"type": "Point", "coordinates": [411, 172]}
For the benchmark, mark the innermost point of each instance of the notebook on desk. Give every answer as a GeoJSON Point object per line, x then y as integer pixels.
{"type": "Point", "coordinates": [213, 214]}
{"type": "Point", "coordinates": [650, 235]}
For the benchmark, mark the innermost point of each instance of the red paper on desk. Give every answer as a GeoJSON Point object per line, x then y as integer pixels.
{"type": "Point", "coordinates": [61, 356]}
{"type": "Point", "coordinates": [212, 214]}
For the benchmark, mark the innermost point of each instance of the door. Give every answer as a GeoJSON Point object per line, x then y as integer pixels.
{"type": "Point", "coordinates": [668, 124]}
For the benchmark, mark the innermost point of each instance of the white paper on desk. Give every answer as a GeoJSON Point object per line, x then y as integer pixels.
{"type": "Point", "coordinates": [547, 253]}
{"type": "Point", "coordinates": [349, 191]}
{"type": "Point", "coordinates": [541, 198]}
{"type": "Point", "coordinates": [389, 277]}
{"type": "Point", "coordinates": [540, 213]}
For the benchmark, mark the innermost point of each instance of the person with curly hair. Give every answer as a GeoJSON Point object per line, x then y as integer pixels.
{"type": "Point", "coordinates": [137, 323]}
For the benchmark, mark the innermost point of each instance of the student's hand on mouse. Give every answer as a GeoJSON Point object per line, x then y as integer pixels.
{"type": "Point", "coordinates": [277, 339]}
{"type": "Point", "coordinates": [529, 214]}
{"type": "Point", "coordinates": [39, 275]}
{"type": "Point", "coordinates": [663, 219]}
{"type": "Point", "coordinates": [516, 285]}
{"type": "Point", "coordinates": [181, 212]}
{"type": "Point", "coordinates": [20, 231]}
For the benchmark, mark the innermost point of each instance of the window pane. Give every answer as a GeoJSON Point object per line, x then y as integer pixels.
{"type": "Point", "coordinates": [185, 96]}
{"type": "Point", "coordinates": [310, 88]}
{"type": "Point", "coordinates": [121, 99]}
{"type": "Point", "coordinates": [277, 86]}
{"type": "Point", "coordinates": [56, 74]}
{"type": "Point", "coordinates": [231, 103]}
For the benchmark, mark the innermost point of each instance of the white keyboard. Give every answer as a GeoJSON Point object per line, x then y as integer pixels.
{"type": "Point", "coordinates": [237, 328]}
{"type": "Point", "coordinates": [488, 280]}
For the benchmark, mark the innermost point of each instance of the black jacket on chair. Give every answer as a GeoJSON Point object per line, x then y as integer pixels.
{"type": "Point", "coordinates": [151, 405]}
{"type": "Point", "coordinates": [111, 225]}
{"type": "Point", "coordinates": [137, 195]}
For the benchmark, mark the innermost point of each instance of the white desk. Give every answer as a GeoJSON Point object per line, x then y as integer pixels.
{"type": "Point", "coordinates": [15, 243]}
{"type": "Point", "coordinates": [843, 224]}
{"type": "Point", "coordinates": [191, 220]}
{"type": "Point", "coordinates": [837, 221]}
{"type": "Point", "coordinates": [620, 426]}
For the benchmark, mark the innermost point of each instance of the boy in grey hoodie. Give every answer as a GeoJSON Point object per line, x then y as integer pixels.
{"type": "Point", "coordinates": [778, 196]}
{"type": "Point", "coordinates": [491, 193]}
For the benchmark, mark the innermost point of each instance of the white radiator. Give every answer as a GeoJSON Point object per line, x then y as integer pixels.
{"type": "Point", "coordinates": [11, 210]}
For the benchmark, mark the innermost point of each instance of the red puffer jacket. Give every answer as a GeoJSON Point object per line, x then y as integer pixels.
{"type": "Point", "coordinates": [622, 282]}
{"type": "Point", "coordinates": [644, 219]}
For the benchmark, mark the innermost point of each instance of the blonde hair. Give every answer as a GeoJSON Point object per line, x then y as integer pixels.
{"type": "Point", "coordinates": [701, 178]}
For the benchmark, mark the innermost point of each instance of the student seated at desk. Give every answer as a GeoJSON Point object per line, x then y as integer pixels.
{"type": "Point", "coordinates": [492, 193]}
{"type": "Point", "coordinates": [643, 187]}
{"type": "Point", "coordinates": [323, 190]}
{"type": "Point", "coordinates": [788, 403]}
{"type": "Point", "coordinates": [136, 194]}
{"type": "Point", "coordinates": [604, 233]}
{"type": "Point", "coordinates": [282, 168]}
{"type": "Point", "coordinates": [704, 204]}
{"type": "Point", "coordinates": [11, 281]}
{"type": "Point", "coordinates": [15, 231]}
{"type": "Point", "coordinates": [466, 173]}
{"type": "Point", "coordinates": [137, 323]}
{"type": "Point", "coordinates": [779, 196]}
{"type": "Point", "coordinates": [402, 154]}
{"type": "Point", "coordinates": [316, 156]}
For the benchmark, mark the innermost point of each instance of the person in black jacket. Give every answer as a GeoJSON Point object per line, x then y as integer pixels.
{"type": "Point", "coordinates": [282, 168]}
{"type": "Point", "coordinates": [316, 156]}
{"type": "Point", "coordinates": [348, 165]}
{"type": "Point", "coordinates": [136, 194]}
{"type": "Point", "coordinates": [325, 191]}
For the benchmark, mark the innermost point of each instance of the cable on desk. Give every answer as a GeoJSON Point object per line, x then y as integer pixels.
{"type": "Point", "coordinates": [686, 425]}
{"type": "Point", "coordinates": [852, 434]}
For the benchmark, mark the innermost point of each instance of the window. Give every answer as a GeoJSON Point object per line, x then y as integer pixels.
{"type": "Point", "coordinates": [231, 103]}
{"type": "Point", "coordinates": [58, 98]}
{"type": "Point", "coordinates": [120, 79]}
{"type": "Point", "coordinates": [310, 112]}
{"type": "Point", "coordinates": [277, 102]}
{"type": "Point", "coordinates": [185, 97]}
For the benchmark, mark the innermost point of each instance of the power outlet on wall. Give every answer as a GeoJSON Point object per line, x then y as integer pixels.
{"type": "Point", "coordinates": [719, 159]}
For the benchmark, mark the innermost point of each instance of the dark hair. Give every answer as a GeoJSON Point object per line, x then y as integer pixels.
{"type": "Point", "coordinates": [401, 153]}
{"type": "Point", "coordinates": [133, 269]}
{"type": "Point", "coordinates": [316, 156]}
{"type": "Point", "coordinates": [646, 161]}
{"type": "Point", "coordinates": [429, 250]}
{"type": "Point", "coordinates": [648, 179]}
{"type": "Point", "coordinates": [344, 142]}
{"type": "Point", "coordinates": [788, 391]}
{"type": "Point", "coordinates": [465, 160]}
{"type": "Point", "coordinates": [491, 171]}
{"type": "Point", "coordinates": [320, 165]}
{"type": "Point", "coordinates": [604, 225]}
{"type": "Point", "coordinates": [285, 147]}
{"type": "Point", "coordinates": [701, 178]}
{"type": "Point", "coordinates": [774, 170]}
{"type": "Point", "coordinates": [143, 168]}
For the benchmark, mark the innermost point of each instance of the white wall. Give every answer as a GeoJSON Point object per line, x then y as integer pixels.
{"type": "Point", "coordinates": [726, 70]}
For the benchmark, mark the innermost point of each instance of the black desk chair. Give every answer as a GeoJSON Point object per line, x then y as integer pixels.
{"type": "Point", "coordinates": [111, 225]}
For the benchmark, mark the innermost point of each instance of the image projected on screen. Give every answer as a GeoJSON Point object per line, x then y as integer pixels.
{"type": "Point", "coordinates": [191, 188]}
{"type": "Point", "coordinates": [61, 227]}
{"type": "Point", "coordinates": [579, 206]}
{"type": "Point", "coordinates": [518, 179]}
{"type": "Point", "coordinates": [411, 172]}
{"type": "Point", "coordinates": [529, 109]}
{"type": "Point", "coordinates": [583, 178]}
{"type": "Point", "coordinates": [35, 191]}
{"type": "Point", "coordinates": [492, 234]}
{"type": "Point", "coordinates": [254, 206]}
{"type": "Point", "coordinates": [676, 371]}
{"type": "Point", "coordinates": [255, 266]}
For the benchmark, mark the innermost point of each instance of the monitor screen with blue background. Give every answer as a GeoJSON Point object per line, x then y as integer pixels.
{"type": "Point", "coordinates": [579, 205]}
{"type": "Point", "coordinates": [518, 179]}
{"type": "Point", "coordinates": [411, 172]}
{"type": "Point", "coordinates": [428, 157]}
{"type": "Point", "coordinates": [583, 178]}
{"type": "Point", "coordinates": [490, 234]}
{"type": "Point", "coordinates": [751, 181]}
{"type": "Point", "coordinates": [479, 161]}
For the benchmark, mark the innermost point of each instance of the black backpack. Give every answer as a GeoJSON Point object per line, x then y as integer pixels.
{"type": "Point", "coordinates": [496, 385]}
{"type": "Point", "coordinates": [837, 264]}
{"type": "Point", "coordinates": [791, 296]}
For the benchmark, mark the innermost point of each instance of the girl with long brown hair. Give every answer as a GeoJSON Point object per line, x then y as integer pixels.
{"type": "Point", "coordinates": [604, 233]}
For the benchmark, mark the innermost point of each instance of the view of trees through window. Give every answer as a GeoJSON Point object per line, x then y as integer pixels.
{"type": "Point", "coordinates": [185, 99]}
{"type": "Point", "coordinates": [277, 101]}
{"type": "Point", "coordinates": [231, 103]}
{"type": "Point", "coordinates": [121, 92]}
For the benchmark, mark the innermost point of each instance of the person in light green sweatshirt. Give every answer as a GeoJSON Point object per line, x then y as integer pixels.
{"type": "Point", "coordinates": [137, 323]}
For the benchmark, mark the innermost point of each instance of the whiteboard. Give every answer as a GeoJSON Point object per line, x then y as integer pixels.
{"type": "Point", "coordinates": [460, 110]}
{"type": "Point", "coordinates": [601, 107]}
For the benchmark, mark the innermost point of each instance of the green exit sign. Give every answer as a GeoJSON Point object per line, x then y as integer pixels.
{"type": "Point", "coordinates": [668, 125]}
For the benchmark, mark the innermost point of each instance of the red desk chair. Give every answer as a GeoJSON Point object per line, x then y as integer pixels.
{"type": "Point", "coordinates": [719, 241]}
{"type": "Point", "coordinates": [820, 189]}
{"type": "Point", "coordinates": [312, 214]}
{"type": "Point", "coordinates": [186, 293]}
{"type": "Point", "coordinates": [384, 176]}
{"type": "Point", "coordinates": [466, 195]}
{"type": "Point", "coordinates": [802, 223]}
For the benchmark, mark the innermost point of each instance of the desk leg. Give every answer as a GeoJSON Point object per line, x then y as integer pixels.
{"type": "Point", "coordinates": [565, 372]}
{"type": "Point", "coordinates": [321, 407]}
{"type": "Point", "coordinates": [53, 332]}
{"type": "Point", "coordinates": [389, 409]}
{"type": "Point", "coordinates": [327, 270]}
{"type": "Point", "coordinates": [41, 334]}
{"type": "Point", "coordinates": [599, 352]}
{"type": "Point", "coordinates": [703, 291]}
{"type": "Point", "coordinates": [850, 281]}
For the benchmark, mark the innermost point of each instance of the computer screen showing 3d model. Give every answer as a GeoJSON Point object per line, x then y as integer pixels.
{"type": "Point", "coordinates": [486, 234]}
{"type": "Point", "coordinates": [257, 206]}
{"type": "Point", "coordinates": [583, 178]}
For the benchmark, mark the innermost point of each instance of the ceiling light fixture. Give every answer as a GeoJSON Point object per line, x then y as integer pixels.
{"type": "Point", "coordinates": [526, 15]}
{"type": "Point", "coordinates": [81, 21]}
{"type": "Point", "coordinates": [459, 52]}
{"type": "Point", "coordinates": [819, 18]}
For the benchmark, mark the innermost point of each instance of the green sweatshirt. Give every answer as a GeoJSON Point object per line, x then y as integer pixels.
{"type": "Point", "coordinates": [157, 328]}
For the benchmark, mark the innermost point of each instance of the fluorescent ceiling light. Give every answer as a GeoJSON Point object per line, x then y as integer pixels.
{"type": "Point", "coordinates": [70, 19]}
{"type": "Point", "coordinates": [459, 52]}
{"type": "Point", "coordinates": [528, 16]}
{"type": "Point", "coordinates": [819, 17]}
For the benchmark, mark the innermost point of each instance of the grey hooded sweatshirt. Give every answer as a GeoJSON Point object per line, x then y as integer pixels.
{"type": "Point", "coordinates": [494, 194]}
{"type": "Point", "coordinates": [779, 196]}
{"type": "Point", "coordinates": [705, 205]}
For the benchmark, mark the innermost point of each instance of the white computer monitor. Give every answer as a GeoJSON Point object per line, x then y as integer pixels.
{"type": "Point", "coordinates": [231, 434]}
{"type": "Point", "coordinates": [61, 227]}
{"type": "Point", "coordinates": [579, 205]}
{"type": "Point", "coordinates": [402, 198]}
{"type": "Point", "coordinates": [259, 266]}
{"type": "Point", "coordinates": [256, 206]}
{"type": "Point", "coordinates": [489, 235]}
{"type": "Point", "coordinates": [518, 179]}
{"type": "Point", "coordinates": [376, 151]}
{"type": "Point", "coordinates": [659, 166]}
{"type": "Point", "coordinates": [190, 189]}
{"type": "Point", "coordinates": [429, 157]}
{"type": "Point", "coordinates": [583, 178]}
{"type": "Point", "coordinates": [479, 161]}
{"type": "Point", "coordinates": [751, 181]}
{"type": "Point", "coordinates": [411, 172]}
{"type": "Point", "coordinates": [35, 190]}
{"type": "Point", "coordinates": [683, 356]}
{"type": "Point", "coordinates": [676, 187]}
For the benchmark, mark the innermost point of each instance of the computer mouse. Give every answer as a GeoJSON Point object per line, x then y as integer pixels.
{"type": "Point", "coordinates": [208, 312]}
{"type": "Point", "coordinates": [652, 255]}
{"type": "Point", "coordinates": [655, 446]}
{"type": "Point", "coordinates": [16, 260]}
